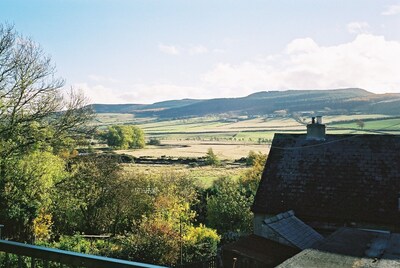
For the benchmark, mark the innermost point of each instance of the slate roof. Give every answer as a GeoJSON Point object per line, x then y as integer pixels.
{"type": "Point", "coordinates": [265, 251]}
{"type": "Point", "coordinates": [346, 178]}
{"type": "Point", "coordinates": [349, 248]}
{"type": "Point", "coordinates": [293, 230]}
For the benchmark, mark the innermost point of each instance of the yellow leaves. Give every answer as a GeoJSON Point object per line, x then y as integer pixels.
{"type": "Point", "coordinates": [198, 234]}
{"type": "Point", "coordinates": [173, 209]}
{"type": "Point", "coordinates": [42, 226]}
{"type": "Point", "coordinates": [66, 153]}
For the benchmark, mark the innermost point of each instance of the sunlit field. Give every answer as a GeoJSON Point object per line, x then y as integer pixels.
{"type": "Point", "coordinates": [203, 176]}
{"type": "Point", "coordinates": [233, 138]}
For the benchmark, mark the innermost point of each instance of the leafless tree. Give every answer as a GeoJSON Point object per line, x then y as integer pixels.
{"type": "Point", "coordinates": [31, 96]}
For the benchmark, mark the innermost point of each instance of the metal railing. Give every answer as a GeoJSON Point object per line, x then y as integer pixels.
{"type": "Point", "coordinates": [210, 263]}
{"type": "Point", "coordinates": [21, 255]}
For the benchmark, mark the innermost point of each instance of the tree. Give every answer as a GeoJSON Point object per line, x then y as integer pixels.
{"type": "Point", "coordinates": [138, 140]}
{"type": "Point", "coordinates": [360, 124]}
{"type": "Point", "coordinates": [200, 243]}
{"type": "Point", "coordinates": [36, 122]}
{"type": "Point", "coordinates": [125, 137]}
{"type": "Point", "coordinates": [83, 199]}
{"type": "Point", "coordinates": [228, 209]}
{"type": "Point", "coordinates": [211, 158]}
{"type": "Point", "coordinates": [26, 192]}
{"type": "Point", "coordinates": [250, 179]}
{"type": "Point", "coordinates": [34, 113]}
{"type": "Point", "coordinates": [154, 141]}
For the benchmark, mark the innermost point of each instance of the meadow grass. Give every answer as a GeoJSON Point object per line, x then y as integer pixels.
{"type": "Point", "coordinates": [385, 125]}
{"type": "Point", "coordinates": [203, 176]}
{"type": "Point", "coordinates": [195, 149]}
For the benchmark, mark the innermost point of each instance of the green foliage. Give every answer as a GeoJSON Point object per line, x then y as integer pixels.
{"type": "Point", "coordinates": [211, 158]}
{"type": "Point", "coordinates": [86, 199]}
{"type": "Point", "coordinates": [36, 123]}
{"type": "Point", "coordinates": [74, 243]}
{"type": "Point", "coordinates": [250, 179]}
{"type": "Point", "coordinates": [125, 137]}
{"type": "Point", "coordinates": [154, 241]}
{"type": "Point", "coordinates": [200, 243]}
{"type": "Point", "coordinates": [27, 189]}
{"type": "Point", "coordinates": [360, 124]}
{"type": "Point", "coordinates": [228, 209]}
{"type": "Point", "coordinates": [254, 159]}
{"type": "Point", "coordinates": [154, 141]}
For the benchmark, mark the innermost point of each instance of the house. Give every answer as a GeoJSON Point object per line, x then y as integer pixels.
{"type": "Point", "coordinates": [349, 248]}
{"type": "Point", "coordinates": [256, 251]}
{"type": "Point", "coordinates": [285, 228]}
{"type": "Point", "coordinates": [331, 180]}
{"type": "Point", "coordinates": [283, 236]}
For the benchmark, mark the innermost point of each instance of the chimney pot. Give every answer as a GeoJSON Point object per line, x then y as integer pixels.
{"type": "Point", "coordinates": [316, 131]}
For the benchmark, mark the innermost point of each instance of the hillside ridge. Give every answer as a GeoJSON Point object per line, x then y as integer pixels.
{"type": "Point", "coordinates": [332, 101]}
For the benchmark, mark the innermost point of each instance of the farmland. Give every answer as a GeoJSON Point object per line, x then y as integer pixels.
{"type": "Point", "coordinates": [233, 138]}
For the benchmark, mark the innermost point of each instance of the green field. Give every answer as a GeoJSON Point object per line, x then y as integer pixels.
{"type": "Point", "coordinates": [233, 138]}
{"type": "Point", "coordinates": [203, 176]}
{"type": "Point", "coordinates": [230, 139]}
{"type": "Point", "coordinates": [384, 126]}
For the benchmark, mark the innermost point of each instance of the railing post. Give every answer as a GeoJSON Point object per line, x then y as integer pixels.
{"type": "Point", "coordinates": [7, 260]}
{"type": "Point", "coordinates": [1, 227]}
{"type": "Point", "coordinates": [19, 261]}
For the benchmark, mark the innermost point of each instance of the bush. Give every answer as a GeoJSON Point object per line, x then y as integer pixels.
{"type": "Point", "coordinates": [200, 243]}
{"type": "Point", "coordinates": [211, 158]}
{"type": "Point", "coordinates": [228, 209]}
{"type": "Point", "coordinates": [154, 141]}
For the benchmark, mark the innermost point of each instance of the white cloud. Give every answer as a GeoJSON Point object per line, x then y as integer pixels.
{"type": "Point", "coordinates": [392, 10]}
{"type": "Point", "coordinates": [139, 93]}
{"type": "Point", "coordinates": [219, 51]}
{"type": "Point", "coordinates": [98, 93]}
{"type": "Point", "coordinates": [301, 45]}
{"type": "Point", "coordinates": [369, 62]}
{"type": "Point", "coordinates": [99, 78]}
{"type": "Point", "coordinates": [168, 49]}
{"type": "Point", "coordinates": [357, 27]}
{"type": "Point", "coordinates": [198, 49]}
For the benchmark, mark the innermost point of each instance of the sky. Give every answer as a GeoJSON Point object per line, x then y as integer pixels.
{"type": "Point", "coordinates": [144, 51]}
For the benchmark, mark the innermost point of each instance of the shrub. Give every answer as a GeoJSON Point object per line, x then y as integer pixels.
{"type": "Point", "coordinates": [211, 158]}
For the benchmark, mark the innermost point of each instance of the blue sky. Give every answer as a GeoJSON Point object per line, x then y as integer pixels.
{"type": "Point", "coordinates": [132, 51]}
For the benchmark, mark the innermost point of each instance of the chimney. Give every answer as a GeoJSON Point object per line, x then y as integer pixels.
{"type": "Point", "coordinates": [316, 130]}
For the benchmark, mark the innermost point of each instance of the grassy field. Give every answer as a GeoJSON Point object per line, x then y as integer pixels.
{"type": "Point", "coordinates": [188, 148]}
{"type": "Point", "coordinates": [387, 125]}
{"type": "Point", "coordinates": [233, 138]}
{"type": "Point", "coordinates": [230, 139]}
{"type": "Point", "coordinates": [203, 176]}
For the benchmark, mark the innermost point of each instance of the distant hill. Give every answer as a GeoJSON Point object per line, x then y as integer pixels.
{"type": "Point", "coordinates": [350, 100]}
{"type": "Point", "coordinates": [134, 108]}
